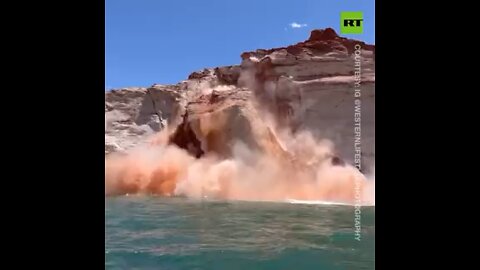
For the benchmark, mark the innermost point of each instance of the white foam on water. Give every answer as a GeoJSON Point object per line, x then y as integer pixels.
{"type": "Point", "coordinates": [315, 202]}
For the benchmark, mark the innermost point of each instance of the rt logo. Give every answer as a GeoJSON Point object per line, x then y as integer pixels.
{"type": "Point", "coordinates": [351, 22]}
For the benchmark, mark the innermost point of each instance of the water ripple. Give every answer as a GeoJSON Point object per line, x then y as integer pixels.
{"type": "Point", "coordinates": [177, 233]}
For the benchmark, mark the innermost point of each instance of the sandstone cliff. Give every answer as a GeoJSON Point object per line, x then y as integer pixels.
{"type": "Point", "coordinates": [306, 86]}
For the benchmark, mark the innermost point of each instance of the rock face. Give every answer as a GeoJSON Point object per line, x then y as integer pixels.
{"type": "Point", "coordinates": [311, 86]}
{"type": "Point", "coordinates": [132, 115]}
{"type": "Point", "coordinates": [306, 86]}
{"type": "Point", "coordinates": [214, 123]}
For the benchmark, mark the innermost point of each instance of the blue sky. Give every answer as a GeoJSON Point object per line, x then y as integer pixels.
{"type": "Point", "coordinates": [160, 41]}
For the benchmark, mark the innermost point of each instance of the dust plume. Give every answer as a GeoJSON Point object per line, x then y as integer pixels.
{"type": "Point", "coordinates": [207, 162]}
{"type": "Point", "coordinates": [306, 174]}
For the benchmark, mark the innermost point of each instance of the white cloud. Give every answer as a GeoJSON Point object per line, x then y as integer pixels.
{"type": "Point", "coordinates": [297, 25]}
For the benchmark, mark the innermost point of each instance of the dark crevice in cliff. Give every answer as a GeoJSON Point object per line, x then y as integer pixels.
{"type": "Point", "coordinates": [185, 138]}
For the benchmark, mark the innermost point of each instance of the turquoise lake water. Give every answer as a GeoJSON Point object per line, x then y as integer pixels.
{"type": "Point", "coordinates": [177, 233]}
